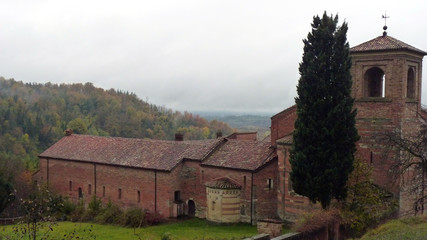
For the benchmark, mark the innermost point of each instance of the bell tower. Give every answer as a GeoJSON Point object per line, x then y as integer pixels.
{"type": "Point", "coordinates": [387, 79]}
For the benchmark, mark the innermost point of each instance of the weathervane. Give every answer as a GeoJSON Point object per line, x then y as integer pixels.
{"type": "Point", "coordinates": [385, 23]}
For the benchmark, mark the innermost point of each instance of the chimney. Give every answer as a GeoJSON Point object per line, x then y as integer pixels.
{"type": "Point", "coordinates": [68, 132]}
{"type": "Point", "coordinates": [218, 134]}
{"type": "Point", "coordinates": [179, 137]}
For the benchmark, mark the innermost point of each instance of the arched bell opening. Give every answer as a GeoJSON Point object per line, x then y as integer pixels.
{"type": "Point", "coordinates": [374, 82]}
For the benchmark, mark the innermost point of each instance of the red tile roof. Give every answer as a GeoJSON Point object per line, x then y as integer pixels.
{"type": "Point", "coordinates": [244, 155]}
{"type": "Point", "coordinates": [129, 152]}
{"type": "Point", "coordinates": [385, 43]}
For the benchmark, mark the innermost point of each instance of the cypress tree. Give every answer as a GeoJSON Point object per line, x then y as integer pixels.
{"type": "Point", "coordinates": [324, 138]}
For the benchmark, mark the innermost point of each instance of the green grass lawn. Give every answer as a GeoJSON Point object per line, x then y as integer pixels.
{"type": "Point", "coordinates": [413, 228]}
{"type": "Point", "coordinates": [187, 229]}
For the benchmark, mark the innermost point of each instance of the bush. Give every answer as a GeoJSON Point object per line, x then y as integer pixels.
{"type": "Point", "coordinates": [78, 212]}
{"type": "Point", "coordinates": [94, 208]}
{"type": "Point", "coordinates": [133, 217]}
{"type": "Point", "coordinates": [166, 236]}
{"type": "Point", "coordinates": [153, 218]}
{"type": "Point", "coordinates": [111, 214]}
{"type": "Point", "coordinates": [315, 220]}
{"type": "Point", "coordinates": [67, 209]}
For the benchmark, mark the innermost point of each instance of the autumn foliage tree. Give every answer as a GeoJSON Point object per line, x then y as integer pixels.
{"type": "Point", "coordinates": [325, 134]}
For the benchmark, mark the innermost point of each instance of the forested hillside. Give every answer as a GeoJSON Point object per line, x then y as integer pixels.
{"type": "Point", "coordinates": [34, 116]}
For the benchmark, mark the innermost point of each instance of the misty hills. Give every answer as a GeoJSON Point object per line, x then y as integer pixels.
{"type": "Point", "coordinates": [244, 123]}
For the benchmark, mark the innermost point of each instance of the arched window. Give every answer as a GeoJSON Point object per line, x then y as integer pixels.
{"type": "Point", "coordinates": [374, 83]}
{"type": "Point", "coordinates": [410, 84]}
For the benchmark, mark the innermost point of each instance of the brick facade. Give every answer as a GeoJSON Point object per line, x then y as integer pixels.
{"type": "Point", "coordinates": [170, 177]}
{"type": "Point", "coordinates": [392, 103]}
{"type": "Point", "coordinates": [157, 190]}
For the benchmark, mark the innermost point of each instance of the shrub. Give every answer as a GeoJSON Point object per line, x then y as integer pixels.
{"type": "Point", "coordinates": [111, 214]}
{"type": "Point", "coordinates": [153, 218]}
{"type": "Point", "coordinates": [78, 212]}
{"type": "Point", "coordinates": [316, 220]}
{"type": "Point", "coordinates": [166, 236]}
{"type": "Point", "coordinates": [94, 208]}
{"type": "Point", "coordinates": [67, 209]}
{"type": "Point", "coordinates": [133, 217]}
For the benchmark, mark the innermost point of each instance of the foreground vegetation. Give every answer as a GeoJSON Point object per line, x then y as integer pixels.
{"type": "Point", "coordinates": [413, 228]}
{"type": "Point", "coordinates": [182, 230]}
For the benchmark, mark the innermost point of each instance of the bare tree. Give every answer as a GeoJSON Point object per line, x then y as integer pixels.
{"type": "Point", "coordinates": [411, 164]}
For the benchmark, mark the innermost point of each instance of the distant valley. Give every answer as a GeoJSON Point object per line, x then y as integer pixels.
{"type": "Point", "coordinates": [243, 123]}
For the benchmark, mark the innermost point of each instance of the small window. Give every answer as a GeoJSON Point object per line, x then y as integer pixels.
{"type": "Point", "coordinates": [138, 197]}
{"type": "Point", "coordinates": [103, 191]}
{"type": "Point", "coordinates": [290, 188]}
{"type": "Point", "coordinates": [269, 183]}
{"type": "Point", "coordinates": [213, 205]}
{"type": "Point", "coordinates": [244, 182]}
{"type": "Point", "coordinates": [80, 193]}
{"type": "Point", "coordinates": [70, 185]}
{"type": "Point", "coordinates": [177, 196]}
{"type": "Point", "coordinates": [410, 84]}
{"type": "Point", "coordinates": [242, 210]}
{"type": "Point", "coordinates": [89, 189]}
{"type": "Point", "coordinates": [120, 193]}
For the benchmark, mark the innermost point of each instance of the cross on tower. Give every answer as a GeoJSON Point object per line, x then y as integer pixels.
{"type": "Point", "coordinates": [385, 23]}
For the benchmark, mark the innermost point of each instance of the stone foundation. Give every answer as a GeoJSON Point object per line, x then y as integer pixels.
{"type": "Point", "coordinates": [271, 227]}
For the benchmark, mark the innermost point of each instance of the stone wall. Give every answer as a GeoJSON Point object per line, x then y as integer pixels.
{"type": "Point", "coordinates": [269, 226]}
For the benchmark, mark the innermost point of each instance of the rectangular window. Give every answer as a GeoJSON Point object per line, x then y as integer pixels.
{"type": "Point", "coordinates": [244, 182]}
{"type": "Point", "coordinates": [89, 189]}
{"type": "Point", "coordinates": [270, 184]}
{"type": "Point", "coordinates": [120, 193]}
{"type": "Point", "coordinates": [103, 191]}
{"type": "Point", "coordinates": [177, 196]}
{"type": "Point", "coordinates": [139, 196]}
{"type": "Point", "coordinates": [80, 192]}
{"type": "Point", "coordinates": [70, 187]}
{"type": "Point", "coordinates": [290, 188]}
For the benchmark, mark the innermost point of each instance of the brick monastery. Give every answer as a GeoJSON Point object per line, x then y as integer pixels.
{"type": "Point", "coordinates": [238, 178]}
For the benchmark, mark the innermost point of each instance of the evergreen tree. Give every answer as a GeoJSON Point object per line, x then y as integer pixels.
{"type": "Point", "coordinates": [6, 190]}
{"type": "Point", "coordinates": [325, 134]}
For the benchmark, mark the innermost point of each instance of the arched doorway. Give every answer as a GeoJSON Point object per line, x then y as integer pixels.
{"type": "Point", "coordinates": [191, 208]}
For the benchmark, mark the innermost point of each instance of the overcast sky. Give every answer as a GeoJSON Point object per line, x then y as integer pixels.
{"type": "Point", "coordinates": [195, 55]}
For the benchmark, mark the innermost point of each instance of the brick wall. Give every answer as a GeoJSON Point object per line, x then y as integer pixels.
{"type": "Point", "coordinates": [155, 190]}
{"type": "Point", "coordinates": [282, 124]}
{"type": "Point", "coordinates": [118, 184]}
{"type": "Point", "coordinates": [265, 187]}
